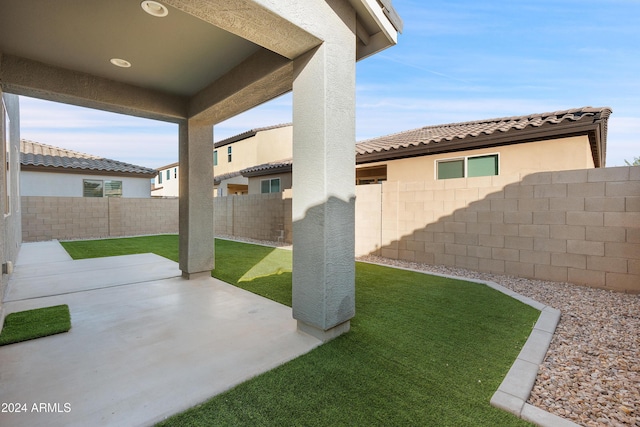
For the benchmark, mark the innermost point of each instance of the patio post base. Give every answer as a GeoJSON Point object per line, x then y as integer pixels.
{"type": "Point", "coordinates": [323, 335]}
{"type": "Point", "coordinates": [199, 274]}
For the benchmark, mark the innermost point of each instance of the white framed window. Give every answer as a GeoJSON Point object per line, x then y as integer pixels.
{"type": "Point", "coordinates": [215, 157]}
{"type": "Point", "coordinates": [229, 154]}
{"type": "Point", "coordinates": [175, 173]}
{"type": "Point", "coordinates": [100, 188]}
{"type": "Point", "coordinates": [168, 174]}
{"type": "Point", "coordinates": [270, 185]}
{"type": "Point", "coordinates": [159, 177]}
{"type": "Point", "coordinates": [468, 166]}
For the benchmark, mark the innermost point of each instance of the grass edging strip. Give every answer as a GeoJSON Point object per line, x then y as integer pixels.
{"type": "Point", "coordinates": [36, 323]}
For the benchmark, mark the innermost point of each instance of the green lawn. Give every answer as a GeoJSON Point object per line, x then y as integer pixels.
{"type": "Point", "coordinates": [422, 350]}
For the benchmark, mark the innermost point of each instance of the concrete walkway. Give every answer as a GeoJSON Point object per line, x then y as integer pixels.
{"type": "Point", "coordinates": [144, 343]}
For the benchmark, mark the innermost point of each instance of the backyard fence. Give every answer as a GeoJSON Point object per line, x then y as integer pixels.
{"type": "Point", "coordinates": [580, 226]}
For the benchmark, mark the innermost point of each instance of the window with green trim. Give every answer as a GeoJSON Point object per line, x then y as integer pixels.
{"type": "Point", "coordinates": [451, 169]}
{"type": "Point", "coordinates": [482, 165]}
{"type": "Point", "coordinates": [470, 166]}
{"type": "Point", "coordinates": [270, 185]}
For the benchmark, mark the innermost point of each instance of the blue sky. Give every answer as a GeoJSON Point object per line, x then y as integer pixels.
{"type": "Point", "coordinates": [456, 60]}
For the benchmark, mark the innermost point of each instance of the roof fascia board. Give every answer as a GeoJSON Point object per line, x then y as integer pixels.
{"type": "Point", "coordinates": [35, 79]}
{"type": "Point", "coordinates": [390, 12]}
{"type": "Point", "coordinates": [548, 131]}
{"type": "Point", "coordinates": [388, 34]}
{"type": "Point", "coordinates": [240, 137]}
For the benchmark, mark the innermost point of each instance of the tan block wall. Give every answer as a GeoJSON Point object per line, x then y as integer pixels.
{"type": "Point", "coordinates": [64, 218]}
{"type": "Point", "coordinates": [256, 216]}
{"type": "Point", "coordinates": [580, 226]}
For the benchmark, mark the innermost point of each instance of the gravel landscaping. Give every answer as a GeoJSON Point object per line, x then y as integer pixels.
{"type": "Point", "coordinates": [591, 374]}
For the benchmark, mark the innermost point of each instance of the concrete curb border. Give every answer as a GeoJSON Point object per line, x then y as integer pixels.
{"type": "Point", "coordinates": [515, 389]}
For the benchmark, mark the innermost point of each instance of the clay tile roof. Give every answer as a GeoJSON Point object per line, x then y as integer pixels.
{"type": "Point", "coordinates": [267, 168]}
{"type": "Point", "coordinates": [248, 134]}
{"type": "Point", "coordinates": [441, 138]}
{"type": "Point", "coordinates": [35, 154]}
{"type": "Point", "coordinates": [219, 178]}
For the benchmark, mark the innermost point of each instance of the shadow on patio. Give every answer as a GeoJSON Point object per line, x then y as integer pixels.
{"type": "Point", "coordinates": [144, 343]}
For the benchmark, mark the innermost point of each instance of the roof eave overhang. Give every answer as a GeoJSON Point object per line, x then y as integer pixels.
{"type": "Point", "coordinates": [76, 171]}
{"type": "Point", "coordinates": [378, 25]}
{"type": "Point", "coordinates": [593, 129]}
{"type": "Point", "coordinates": [269, 171]}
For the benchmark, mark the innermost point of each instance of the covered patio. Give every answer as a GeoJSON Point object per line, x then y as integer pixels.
{"type": "Point", "coordinates": [144, 343]}
{"type": "Point", "coordinates": [196, 63]}
{"type": "Point", "coordinates": [151, 337]}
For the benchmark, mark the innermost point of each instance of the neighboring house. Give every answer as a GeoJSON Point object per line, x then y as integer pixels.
{"type": "Point", "coordinates": [165, 183]}
{"type": "Point", "coordinates": [272, 177]}
{"type": "Point", "coordinates": [250, 148]}
{"type": "Point", "coordinates": [230, 157]}
{"type": "Point", "coordinates": [562, 140]}
{"type": "Point", "coordinates": [57, 172]}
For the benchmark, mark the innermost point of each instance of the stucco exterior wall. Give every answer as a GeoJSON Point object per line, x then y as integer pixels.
{"type": "Point", "coordinates": [53, 184]}
{"type": "Point", "coordinates": [266, 146]}
{"type": "Point", "coordinates": [514, 160]}
{"type": "Point", "coordinates": [10, 224]}
{"type": "Point", "coordinates": [168, 187]}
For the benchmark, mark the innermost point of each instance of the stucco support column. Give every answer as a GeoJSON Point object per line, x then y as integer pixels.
{"type": "Point", "coordinates": [324, 181]}
{"type": "Point", "coordinates": [196, 199]}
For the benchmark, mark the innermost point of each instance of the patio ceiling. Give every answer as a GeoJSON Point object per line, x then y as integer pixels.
{"type": "Point", "coordinates": [203, 52]}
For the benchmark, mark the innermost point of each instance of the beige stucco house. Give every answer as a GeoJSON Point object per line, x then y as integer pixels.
{"type": "Point", "coordinates": [561, 140]}
{"type": "Point", "coordinates": [556, 141]}
{"type": "Point", "coordinates": [254, 147]}
{"type": "Point", "coordinates": [196, 63]}
{"type": "Point", "coordinates": [232, 155]}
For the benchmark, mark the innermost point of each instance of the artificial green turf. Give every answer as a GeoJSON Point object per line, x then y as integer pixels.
{"type": "Point", "coordinates": [422, 350]}
{"type": "Point", "coordinates": [37, 323]}
{"type": "Point", "coordinates": [165, 245]}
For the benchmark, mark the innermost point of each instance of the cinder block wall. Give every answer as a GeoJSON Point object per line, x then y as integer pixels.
{"type": "Point", "coordinates": [256, 216]}
{"type": "Point", "coordinates": [62, 218]}
{"type": "Point", "coordinates": [579, 226]}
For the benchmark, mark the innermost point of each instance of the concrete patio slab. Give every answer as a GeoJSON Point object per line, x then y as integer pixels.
{"type": "Point", "coordinates": [139, 352]}
{"type": "Point", "coordinates": [46, 279]}
{"type": "Point", "coordinates": [41, 252]}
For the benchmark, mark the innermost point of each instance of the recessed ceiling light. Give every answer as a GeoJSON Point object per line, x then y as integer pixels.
{"type": "Point", "coordinates": [154, 8]}
{"type": "Point", "coordinates": [120, 62]}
